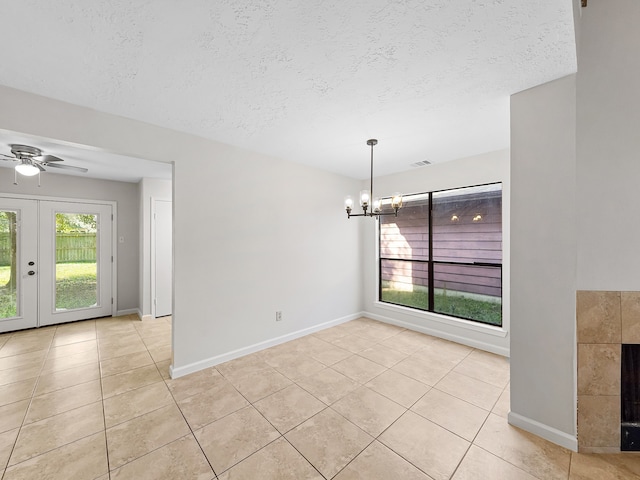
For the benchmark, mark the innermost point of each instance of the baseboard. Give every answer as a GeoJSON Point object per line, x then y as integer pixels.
{"type": "Point", "coordinates": [146, 317]}
{"type": "Point", "coordinates": [129, 311]}
{"type": "Point", "coordinates": [439, 333]}
{"type": "Point", "coordinates": [241, 352]}
{"type": "Point", "coordinates": [544, 431]}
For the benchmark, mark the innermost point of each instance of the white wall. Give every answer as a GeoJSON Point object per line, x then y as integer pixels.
{"type": "Point", "coordinates": [252, 234]}
{"type": "Point", "coordinates": [575, 171]}
{"type": "Point", "coordinates": [150, 189]}
{"type": "Point", "coordinates": [126, 196]}
{"type": "Point", "coordinates": [480, 169]}
{"type": "Point", "coordinates": [608, 146]}
{"type": "Point", "coordinates": [543, 260]}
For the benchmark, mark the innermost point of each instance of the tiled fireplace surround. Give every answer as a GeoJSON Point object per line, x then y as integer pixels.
{"type": "Point", "coordinates": [605, 320]}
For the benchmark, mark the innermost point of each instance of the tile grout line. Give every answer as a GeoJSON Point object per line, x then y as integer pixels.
{"type": "Point", "coordinates": [189, 426]}
{"type": "Point", "coordinates": [138, 416]}
{"type": "Point", "coordinates": [374, 343]}
{"type": "Point", "coordinates": [26, 412]}
{"type": "Point", "coordinates": [470, 443]}
{"type": "Point", "coordinates": [104, 414]}
{"type": "Point", "coordinates": [360, 384]}
{"type": "Point", "coordinates": [29, 406]}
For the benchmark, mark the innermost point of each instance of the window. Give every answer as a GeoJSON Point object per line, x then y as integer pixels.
{"type": "Point", "coordinates": [443, 253]}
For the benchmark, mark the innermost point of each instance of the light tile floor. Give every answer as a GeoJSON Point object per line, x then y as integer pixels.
{"type": "Point", "coordinates": [363, 400]}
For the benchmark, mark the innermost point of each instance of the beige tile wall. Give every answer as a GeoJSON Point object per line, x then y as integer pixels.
{"type": "Point", "coordinates": [605, 320]}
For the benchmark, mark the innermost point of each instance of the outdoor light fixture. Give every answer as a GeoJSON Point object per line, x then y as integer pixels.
{"type": "Point", "coordinates": [367, 199]}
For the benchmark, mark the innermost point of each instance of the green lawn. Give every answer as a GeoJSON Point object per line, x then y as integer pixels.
{"type": "Point", "coordinates": [75, 288]}
{"type": "Point", "coordinates": [76, 285]}
{"type": "Point", "coordinates": [483, 311]}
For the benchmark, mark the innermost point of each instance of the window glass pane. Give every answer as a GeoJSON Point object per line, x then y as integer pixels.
{"type": "Point", "coordinates": [405, 283]}
{"type": "Point", "coordinates": [8, 275]}
{"type": "Point", "coordinates": [467, 224]}
{"type": "Point", "coordinates": [468, 291]}
{"type": "Point", "coordinates": [466, 256]}
{"type": "Point", "coordinates": [407, 235]}
{"type": "Point", "coordinates": [76, 265]}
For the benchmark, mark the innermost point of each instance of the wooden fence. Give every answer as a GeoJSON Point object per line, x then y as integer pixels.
{"type": "Point", "coordinates": [70, 248]}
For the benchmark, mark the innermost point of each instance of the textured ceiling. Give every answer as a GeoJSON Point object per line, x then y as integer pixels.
{"type": "Point", "coordinates": [308, 81]}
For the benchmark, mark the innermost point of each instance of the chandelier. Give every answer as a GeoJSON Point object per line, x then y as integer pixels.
{"type": "Point", "coordinates": [372, 208]}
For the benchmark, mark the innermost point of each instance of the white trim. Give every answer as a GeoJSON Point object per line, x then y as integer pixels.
{"type": "Point", "coordinates": [544, 431]}
{"type": "Point", "coordinates": [149, 317]}
{"type": "Point", "coordinates": [56, 199]}
{"type": "Point", "coordinates": [114, 253]}
{"type": "Point", "coordinates": [152, 254]}
{"type": "Point", "coordinates": [152, 257]}
{"type": "Point", "coordinates": [444, 319]}
{"type": "Point", "coordinates": [128, 311]}
{"type": "Point", "coordinates": [439, 333]}
{"type": "Point", "coordinates": [241, 352]}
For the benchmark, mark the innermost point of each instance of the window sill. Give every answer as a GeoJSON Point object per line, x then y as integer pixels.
{"type": "Point", "coordinates": [445, 319]}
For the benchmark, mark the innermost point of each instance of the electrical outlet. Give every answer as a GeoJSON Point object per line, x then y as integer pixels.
{"type": "Point", "coordinates": [278, 316]}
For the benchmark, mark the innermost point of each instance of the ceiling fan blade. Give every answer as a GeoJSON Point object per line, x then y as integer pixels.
{"type": "Point", "coordinates": [48, 158]}
{"type": "Point", "coordinates": [39, 166]}
{"type": "Point", "coordinates": [67, 167]}
{"type": "Point", "coordinates": [10, 157]}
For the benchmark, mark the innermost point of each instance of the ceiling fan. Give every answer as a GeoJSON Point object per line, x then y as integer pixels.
{"type": "Point", "coordinates": [32, 161]}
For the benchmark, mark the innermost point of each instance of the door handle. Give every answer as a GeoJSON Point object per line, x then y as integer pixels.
{"type": "Point", "coordinates": [31, 272]}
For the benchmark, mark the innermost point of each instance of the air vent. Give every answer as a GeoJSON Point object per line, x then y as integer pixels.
{"type": "Point", "coordinates": [421, 164]}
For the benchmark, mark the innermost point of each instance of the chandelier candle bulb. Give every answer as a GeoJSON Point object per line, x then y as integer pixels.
{"type": "Point", "coordinates": [348, 203]}
{"type": "Point", "coordinates": [396, 200]}
{"type": "Point", "coordinates": [364, 198]}
{"type": "Point", "coordinates": [377, 205]}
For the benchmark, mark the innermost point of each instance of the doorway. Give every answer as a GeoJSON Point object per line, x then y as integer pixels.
{"type": "Point", "coordinates": [55, 262]}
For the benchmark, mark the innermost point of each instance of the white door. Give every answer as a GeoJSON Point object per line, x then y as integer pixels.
{"type": "Point", "coordinates": [18, 264]}
{"type": "Point", "coordinates": [162, 262]}
{"type": "Point", "coordinates": [75, 261]}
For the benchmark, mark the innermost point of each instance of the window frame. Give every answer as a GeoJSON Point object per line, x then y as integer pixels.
{"type": "Point", "coordinates": [431, 266]}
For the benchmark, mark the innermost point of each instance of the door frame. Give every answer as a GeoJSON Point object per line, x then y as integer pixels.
{"type": "Point", "coordinates": [152, 252]}
{"type": "Point", "coordinates": [114, 232]}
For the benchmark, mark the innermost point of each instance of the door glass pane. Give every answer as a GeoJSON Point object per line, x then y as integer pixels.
{"type": "Point", "coordinates": [8, 275]}
{"type": "Point", "coordinates": [76, 264]}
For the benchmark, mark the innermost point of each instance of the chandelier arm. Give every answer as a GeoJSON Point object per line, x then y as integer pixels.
{"type": "Point", "coordinates": [394, 213]}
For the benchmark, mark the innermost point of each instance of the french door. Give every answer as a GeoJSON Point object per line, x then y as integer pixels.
{"type": "Point", "coordinates": [18, 257]}
{"type": "Point", "coordinates": [55, 262]}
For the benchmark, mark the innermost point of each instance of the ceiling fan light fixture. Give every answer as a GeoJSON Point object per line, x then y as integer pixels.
{"type": "Point", "coordinates": [27, 169]}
